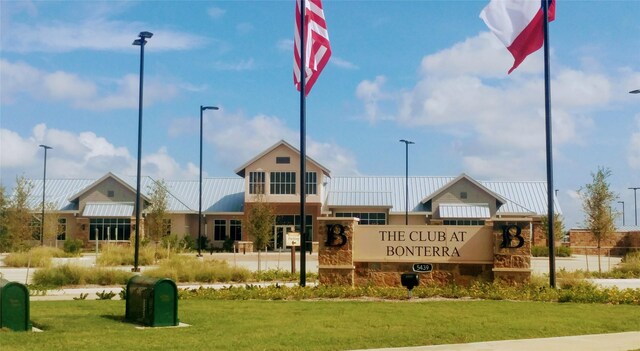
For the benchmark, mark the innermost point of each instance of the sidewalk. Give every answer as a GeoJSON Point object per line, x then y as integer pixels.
{"type": "Point", "coordinates": [599, 342]}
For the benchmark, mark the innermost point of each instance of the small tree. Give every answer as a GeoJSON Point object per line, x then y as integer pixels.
{"type": "Point", "coordinates": [596, 201]}
{"type": "Point", "coordinates": [260, 224]}
{"type": "Point", "coordinates": [50, 222]}
{"type": "Point", "coordinates": [4, 203]}
{"type": "Point", "coordinates": [157, 212]}
{"type": "Point", "coordinates": [19, 216]}
{"type": "Point", "coordinates": [558, 227]}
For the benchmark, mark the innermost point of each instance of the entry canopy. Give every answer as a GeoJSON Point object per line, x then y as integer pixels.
{"type": "Point", "coordinates": [108, 209]}
{"type": "Point", "coordinates": [473, 211]}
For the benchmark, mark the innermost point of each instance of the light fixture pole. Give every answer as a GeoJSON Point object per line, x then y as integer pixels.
{"type": "Point", "coordinates": [406, 180]}
{"type": "Point", "coordinates": [202, 108]}
{"type": "Point", "coordinates": [44, 186]}
{"type": "Point", "coordinates": [635, 203]}
{"type": "Point", "coordinates": [143, 36]}
{"type": "Point", "coordinates": [622, 202]}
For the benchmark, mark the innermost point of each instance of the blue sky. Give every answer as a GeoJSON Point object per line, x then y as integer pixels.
{"type": "Point", "coordinates": [426, 71]}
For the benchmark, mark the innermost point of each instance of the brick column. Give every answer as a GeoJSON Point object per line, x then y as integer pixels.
{"type": "Point", "coordinates": [512, 250]}
{"type": "Point", "coordinates": [335, 261]}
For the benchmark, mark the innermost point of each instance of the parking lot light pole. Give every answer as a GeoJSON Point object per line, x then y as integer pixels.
{"type": "Point", "coordinates": [635, 203]}
{"type": "Point", "coordinates": [44, 186]}
{"type": "Point", "coordinates": [406, 180]}
{"type": "Point", "coordinates": [202, 108]}
{"type": "Point", "coordinates": [143, 36]}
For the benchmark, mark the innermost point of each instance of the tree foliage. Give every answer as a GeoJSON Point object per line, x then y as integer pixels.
{"type": "Point", "coordinates": [4, 203]}
{"type": "Point", "coordinates": [157, 211]}
{"type": "Point", "coordinates": [596, 201]}
{"type": "Point", "coordinates": [558, 227]}
{"type": "Point", "coordinates": [19, 216]}
{"type": "Point", "coordinates": [260, 224]}
{"type": "Point", "coordinates": [51, 225]}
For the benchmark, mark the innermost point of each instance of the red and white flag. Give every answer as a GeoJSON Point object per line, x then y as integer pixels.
{"type": "Point", "coordinates": [518, 24]}
{"type": "Point", "coordinates": [317, 49]}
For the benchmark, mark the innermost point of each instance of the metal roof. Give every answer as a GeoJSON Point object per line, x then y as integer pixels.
{"type": "Point", "coordinates": [361, 198]}
{"type": "Point", "coordinates": [108, 209]}
{"type": "Point", "coordinates": [522, 197]}
{"type": "Point", "coordinates": [464, 211]}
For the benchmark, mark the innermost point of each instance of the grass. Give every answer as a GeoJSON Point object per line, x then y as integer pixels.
{"type": "Point", "coordinates": [313, 325]}
{"type": "Point", "coordinates": [36, 257]}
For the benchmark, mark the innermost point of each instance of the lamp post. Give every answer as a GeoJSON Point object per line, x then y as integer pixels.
{"type": "Point", "coordinates": [635, 203]}
{"type": "Point", "coordinates": [622, 202]}
{"type": "Point", "coordinates": [202, 108]}
{"type": "Point", "coordinates": [143, 36]}
{"type": "Point", "coordinates": [406, 180]}
{"type": "Point", "coordinates": [44, 185]}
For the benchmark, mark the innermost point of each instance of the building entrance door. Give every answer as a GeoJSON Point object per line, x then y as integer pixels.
{"type": "Point", "coordinates": [280, 236]}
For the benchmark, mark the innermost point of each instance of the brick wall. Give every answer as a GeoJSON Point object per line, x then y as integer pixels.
{"type": "Point", "coordinates": [582, 242]}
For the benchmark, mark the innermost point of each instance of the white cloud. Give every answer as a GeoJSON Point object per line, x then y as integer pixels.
{"type": "Point", "coordinates": [341, 63]}
{"type": "Point", "coordinates": [80, 155]}
{"type": "Point", "coordinates": [216, 12]}
{"type": "Point", "coordinates": [285, 45]}
{"type": "Point", "coordinates": [244, 28]}
{"type": "Point", "coordinates": [92, 34]}
{"type": "Point", "coordinates": [498, 118]}
{"type": "Point", "coordinates": [371, 93]}
{"type": "Point", "coordinates": [20, 78]}
{"type": "Point", "coordinates": [242, 65]}
{"type": "Point", "coordinates": [262, 131]}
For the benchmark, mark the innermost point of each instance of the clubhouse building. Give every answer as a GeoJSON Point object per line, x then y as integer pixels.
{"type": "Point", "coordinates": [104, 209]}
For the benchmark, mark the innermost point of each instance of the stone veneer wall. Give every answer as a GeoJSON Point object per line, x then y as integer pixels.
{"type": "Point", "coordinates": [336, 266]}
{"type": "Point", "coordinates": [582, 242]}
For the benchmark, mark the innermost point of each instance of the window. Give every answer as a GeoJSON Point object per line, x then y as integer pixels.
{"type": "Point", "coordinates": [283, 160]}
{"type": "Point", "coordinates": [110, 193]}
{"type": "Point", "coordinates": [219, 230]}
{"type": "Point", "coordinates": [312, 183]}
{"type": "Point", "coordinates": [166, 225]}
{"type": "Point", "coordinates": [35, 228]}
{"type": "Point", "coordinates": [109, 228]}
{"type": "Point", "coordinates": [235, 229]}
{"type": "Point", "coordinates": [295, 221]}
{"type": "Point", "coordinates": [366, 218]}
{"type": "Point", "coordinates": [463, 222]}
{"type": "Point", "coordinates": [463, 195]}
{"type": "Point", "coordinates": [283, 183]}
{"type": "Point", "coordinates": [62, 229]}
{"type": "Point", "coordinates": [256, 182]}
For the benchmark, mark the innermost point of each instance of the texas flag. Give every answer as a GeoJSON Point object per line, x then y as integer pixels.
{"type": "Point", "coordinates": [518, 24]}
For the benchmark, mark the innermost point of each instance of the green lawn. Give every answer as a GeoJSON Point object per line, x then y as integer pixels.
{"type": "Point", "coordinates": [313, 325]}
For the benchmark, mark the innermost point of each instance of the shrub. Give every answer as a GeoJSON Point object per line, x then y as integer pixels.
{"type": "Point", "coordinates": [36, 257]}
{"type": "Point", "coordinates": [68, 274]}
{"type": "Point", "coordinates": [73, 246]}
{"type": "Point", "coordinates": [190, 269]}
{"type": "Point", "coordinates": [543, 251]}
{"type": "Point", "coordinates": [117, 255]}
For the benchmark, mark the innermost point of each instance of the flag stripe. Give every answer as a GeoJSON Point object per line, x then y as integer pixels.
{"type": "Point", "coordinates": [518, 24]}
{"type": "Point", "coordinates": [316, 41]}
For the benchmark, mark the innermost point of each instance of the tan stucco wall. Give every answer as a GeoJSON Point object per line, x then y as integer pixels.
{"type": "Point", "coordinates": [268, 164]}
{"type": "Point", "coordinates": [100, 191]}
{"type": "Point", "coordinates": [475, 195]}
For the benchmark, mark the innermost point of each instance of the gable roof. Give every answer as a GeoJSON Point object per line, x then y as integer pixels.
{"type": "Point", "coordinates": [518, 197]}
{"type": "Point", "coordinates": [75, 196]}
{"type": "Point", "coordinates": [459, 178]}
{"type": "Point", "coordinates": [240, 170]}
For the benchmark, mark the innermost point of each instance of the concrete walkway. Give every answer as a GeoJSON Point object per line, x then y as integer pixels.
{"type": "Point", "coordinates": [599, 342]}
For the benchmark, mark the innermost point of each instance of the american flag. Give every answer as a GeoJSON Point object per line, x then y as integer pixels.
{"type": "Point", "coordinates": [316, 41]}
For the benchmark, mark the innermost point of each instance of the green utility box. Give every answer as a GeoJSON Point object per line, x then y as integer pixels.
{"type": "Point", "coordinates": [14, 306]}
{"type": "Point", "coordinates": [152, 301]}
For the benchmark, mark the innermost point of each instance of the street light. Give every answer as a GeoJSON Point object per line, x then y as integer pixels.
{"type": "Point", "coordinates": [406, 180]}
{"type": "Point", "coordinates": [622, 202]}
{"type": "Point", "coordinates": [143, 36]}
{"type": "Point", "coordinates": [44, 185]}
{"type": "Point", "coordinates": [202, 108]}
{"type": "Point", "coordinates": [635, 203]}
